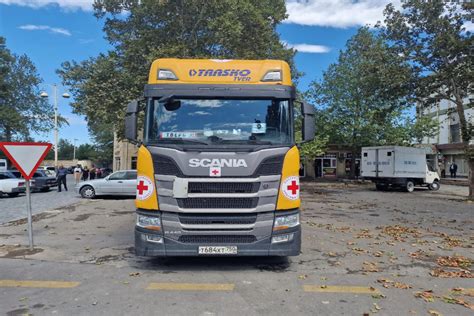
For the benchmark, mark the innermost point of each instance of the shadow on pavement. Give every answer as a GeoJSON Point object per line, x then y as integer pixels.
{"type": "Point", "coordinates": [175, 264]}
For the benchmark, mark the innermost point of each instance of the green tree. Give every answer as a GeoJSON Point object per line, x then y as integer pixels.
{"type": "Point", "coordinates": [86, 152]}
{"type": "Point", "coordinates": [364, 98]}
{"type": "Point", "coordinates": [22, 111]}
{"type": "Point", "coordinates": [227, 29]}
{"type": "Point", "coordinates": [432, 38]}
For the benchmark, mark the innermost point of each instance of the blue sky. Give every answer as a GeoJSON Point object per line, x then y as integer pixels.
{"type": "Point", "coordinates": [53, 31]}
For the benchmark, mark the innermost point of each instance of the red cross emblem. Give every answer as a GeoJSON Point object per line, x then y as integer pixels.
{"type": "Point", "coordinates": [293, 187]}
{"type": "Point", "coordinates": [141, 187]}
{"type": "Point", "coordinates": [145, 187]}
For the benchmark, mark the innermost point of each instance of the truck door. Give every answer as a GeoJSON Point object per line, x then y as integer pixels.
{"type": "Point", "coordinates": [385, 162]}
{"type": "Point", "coordinates": [369, 163]}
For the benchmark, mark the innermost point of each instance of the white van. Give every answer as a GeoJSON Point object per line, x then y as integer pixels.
{"type": "Point", "coordinates": [397, 166]}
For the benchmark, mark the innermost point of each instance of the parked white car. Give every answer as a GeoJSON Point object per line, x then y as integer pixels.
{"type": "Point", "coordinates": [12, 187]}
{"type": "Point", "coordinates": [123, 182]}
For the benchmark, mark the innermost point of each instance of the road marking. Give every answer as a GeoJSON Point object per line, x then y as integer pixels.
{"type": "Point", "coordinates": [340, 289]}
{"type": "Point", "coordinates": [191, 286]}
{"type": "Point", "coordinates": [39, 284]}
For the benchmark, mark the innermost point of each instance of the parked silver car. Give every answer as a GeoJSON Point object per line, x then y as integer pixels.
{"type": "Point", "coordinates": [123, 182]}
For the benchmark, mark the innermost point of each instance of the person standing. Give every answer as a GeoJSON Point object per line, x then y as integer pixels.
{"type": "Point", "coordinates": [98, 173]}
{"type": "Point", "coordinates": [453, 169]}
{"type": "Point", "coordinates": [61, 176]}
{"type": "Point", "coordinates": [85, 174]}
{"type": "Point", "coordinates": [77, 173]}
{"type": "Point", "coordinates": [92, 174]}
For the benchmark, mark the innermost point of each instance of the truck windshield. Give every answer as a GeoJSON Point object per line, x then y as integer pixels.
{"type": "Point", "coordinates": [212, 121]}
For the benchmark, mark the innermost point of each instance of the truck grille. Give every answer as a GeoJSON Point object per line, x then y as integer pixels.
{"type": "Point", "coordinates": [217, 239]}
{"type": "Point", "coordinates": [218, 203]}
{"type": "Point", "coordinates": [223, 187]}
{"type": "Point", "coordinates": [209, 219]}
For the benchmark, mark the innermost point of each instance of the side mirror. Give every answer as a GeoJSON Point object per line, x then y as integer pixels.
{"type": "Point", "coordinates": [131, 122]}
{"type": "Point", "coordinates": [309, 128]}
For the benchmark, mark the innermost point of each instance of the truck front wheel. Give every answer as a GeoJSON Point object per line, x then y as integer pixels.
{"type": "Point", "coordinates": [434, 186]}
{"type": "Point", "coordinates": [410, 186]}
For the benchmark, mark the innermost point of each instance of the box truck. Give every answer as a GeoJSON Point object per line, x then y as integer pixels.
{"type": "Point", "coordinates": [397, 166]}
{"type": "Point", "coordinates": [218, 166]}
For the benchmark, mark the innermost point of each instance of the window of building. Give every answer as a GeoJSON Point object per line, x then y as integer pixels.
{"type": "Point", "coordinates": [117, 163]}
{"type": "Point", "coordinates": [134, 163]}
{"type": "Point", "coordinates": [454, 132]}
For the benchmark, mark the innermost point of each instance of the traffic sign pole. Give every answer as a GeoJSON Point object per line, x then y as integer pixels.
{"type": "Point", "coordinates": [28, 213]}
{"type": "Point", "coordinates": [26, 156]}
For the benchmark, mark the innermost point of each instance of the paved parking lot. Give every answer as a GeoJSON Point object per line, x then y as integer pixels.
{"type": "Point", "coordinates": [364, 252]}
{"type": "Point", "coordinates": [14, 208]}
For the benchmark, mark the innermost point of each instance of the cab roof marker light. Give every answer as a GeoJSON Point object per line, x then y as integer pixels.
{"type": "Point", "coordinates": [272, 75]}
{"type": "Point", "coordinates": [166, 74]}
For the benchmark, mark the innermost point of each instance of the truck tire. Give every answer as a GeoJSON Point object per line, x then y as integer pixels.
{"type": "Point", "coordinates": [87, 192]}
{"type": "Point", "coordinates": [434, 186]}
{"type": "Point", "coordinates": [381, 187]}
{"type": "Point", "coordinates": [410, 186]}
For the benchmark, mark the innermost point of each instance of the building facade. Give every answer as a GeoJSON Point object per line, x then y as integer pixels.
{"type": "Point", "coordinates": [125, 155]}
{"type": "Point", "coordinates": [447, 139]}
{"type": "Point", "coordinates": [334, 164]}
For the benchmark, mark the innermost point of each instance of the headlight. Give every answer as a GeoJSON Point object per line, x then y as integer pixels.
{"type": "Point", "coordinates": [149, 222]}
{"type": "Point", "coordinates": [285, 222]}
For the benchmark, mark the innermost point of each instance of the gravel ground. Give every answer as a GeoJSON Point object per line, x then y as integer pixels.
{"type": "Point", "coordinates": [364, 253]}
{"type": "Point", "coordinates": [15, 208]}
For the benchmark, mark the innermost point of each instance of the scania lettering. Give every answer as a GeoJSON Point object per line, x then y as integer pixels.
{"type": "Point", "coordinates": [233, 163]}
{"type": "Point", "coordinates": [218, 165]}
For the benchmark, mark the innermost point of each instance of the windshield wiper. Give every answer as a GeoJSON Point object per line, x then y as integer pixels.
{"type": "Point", "coordinates": [179, 141]}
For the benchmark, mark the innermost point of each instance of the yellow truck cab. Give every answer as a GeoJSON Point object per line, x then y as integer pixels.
{"type": "Point", "coordinates": [218, 168]}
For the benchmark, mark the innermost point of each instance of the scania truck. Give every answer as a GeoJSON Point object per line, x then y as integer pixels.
{"type": "Point", "coordinates": [218, 166]}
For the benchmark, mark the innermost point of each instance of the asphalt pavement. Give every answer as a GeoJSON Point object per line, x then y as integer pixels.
{"type": "Point", "coordinates": [12, 208]}
{"type": "Point", "coordinates": [364, 253]}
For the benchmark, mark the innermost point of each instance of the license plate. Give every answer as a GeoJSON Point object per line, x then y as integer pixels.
{"type": "Point", "coordinates": [217, 250]}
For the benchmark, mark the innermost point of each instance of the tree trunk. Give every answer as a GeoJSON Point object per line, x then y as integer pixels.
{"type": "Point", "coordinates": [471, 179]}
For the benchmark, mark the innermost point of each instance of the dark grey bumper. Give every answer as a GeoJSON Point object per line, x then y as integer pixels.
{"type": "Point", "coordinates": [262, 247]}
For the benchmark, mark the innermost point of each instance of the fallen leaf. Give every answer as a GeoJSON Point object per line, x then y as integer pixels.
{"type": "Point", "coordinates": [427, 296]}
{"type": "Point", "coordinates": [370, 267]}
{"type": "Point", "coordinates": [441, 273]}
{"type": "Point", "coordinates": [432, 312]}
{"type": "Point", "coordinates": [134, 274]}
{"type": "Point", "coordinates": [454, 261]}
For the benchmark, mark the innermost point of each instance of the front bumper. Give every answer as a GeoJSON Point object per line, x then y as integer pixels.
{"type": "Point", "coordinates": [263, 246]}
{"type": "Point", "coordinates": [19, 190]}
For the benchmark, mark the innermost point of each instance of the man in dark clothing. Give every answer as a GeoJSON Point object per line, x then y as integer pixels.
{"type": "Point", "coordinates": [92, 174]}
{"type": "Point", "coordinates": [61, 175]}
{"type": "Point", "coordinates": [85, 174]}
{"type": "Point", "coordinates": [453, 169]}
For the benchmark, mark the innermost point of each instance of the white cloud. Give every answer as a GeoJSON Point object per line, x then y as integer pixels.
{"type": "Point", "coordinates": [199, 113]}
{"type": "Point", "coordinates": [85, 5]}
{"type": "Point", "coordinates": [308, 48]}
{"type": "Point", "coordinates": [56, 30]}
{"type": "Point", "coordinates": [336, 13]}
{"type": "Point", "coordinates": [469, 26]}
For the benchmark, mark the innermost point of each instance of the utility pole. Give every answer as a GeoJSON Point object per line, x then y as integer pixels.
{"type": "Point", "coordinates": [56, 132]}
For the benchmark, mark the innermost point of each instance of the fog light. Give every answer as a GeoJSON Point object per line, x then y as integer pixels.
{"type": "Point", "coordinates": [154, 239]}
{"type": "Point", "coordinates": [282, 238]}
